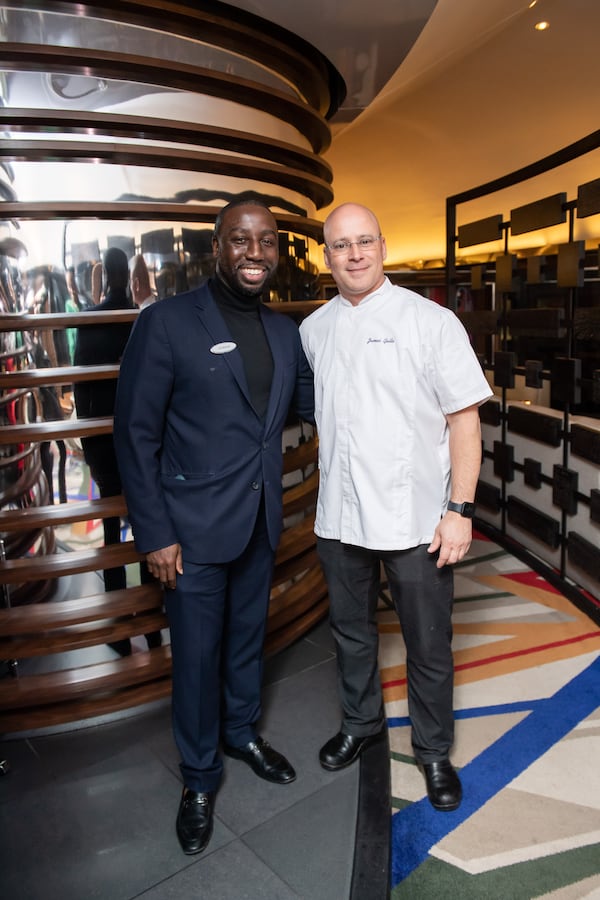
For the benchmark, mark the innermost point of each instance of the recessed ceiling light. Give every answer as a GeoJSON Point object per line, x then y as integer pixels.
{"type": "Point", "coordinates": [542, 26]}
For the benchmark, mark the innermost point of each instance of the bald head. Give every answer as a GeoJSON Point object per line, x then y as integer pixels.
{"type": "Point", "coordinates": [343, 215]}
{"type": "Point", "coordinates": [356, 263]}
{"type": "Point", "coordinates": [139, 279]}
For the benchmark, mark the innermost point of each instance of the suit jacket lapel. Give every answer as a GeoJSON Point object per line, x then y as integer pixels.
{"type": "Point", "coordinates": [214, 323]}
{"type": "Point", "coordinates": [269, 324]}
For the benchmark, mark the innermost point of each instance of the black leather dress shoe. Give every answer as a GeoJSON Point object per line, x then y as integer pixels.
{"type": "Point", "coordinates": [195, 820]}
{"type": "Point", "coordinates": [266, 762]}
{"type": "Point", "coordinates": [443, 785]}
{"type": "Point", "coordinates": [343, 749]}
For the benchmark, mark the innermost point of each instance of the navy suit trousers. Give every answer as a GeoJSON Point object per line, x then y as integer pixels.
{"type": "Point", "coordinates": [217, 617]}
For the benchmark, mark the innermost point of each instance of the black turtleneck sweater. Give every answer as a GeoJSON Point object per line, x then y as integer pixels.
{"type": "Point", "coordinates": [242, 317]}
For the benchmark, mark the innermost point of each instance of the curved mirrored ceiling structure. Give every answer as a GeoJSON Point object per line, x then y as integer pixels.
{"type": "Point", "coordinates": [366, 42]}
{"type": "Point", "coordinates": [150, 113]}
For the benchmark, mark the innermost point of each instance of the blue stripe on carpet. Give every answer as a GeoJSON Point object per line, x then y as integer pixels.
{"type": "Point", "coordinates": [477, 712]}
{"type": "Point", "coordinates": [418, 827]}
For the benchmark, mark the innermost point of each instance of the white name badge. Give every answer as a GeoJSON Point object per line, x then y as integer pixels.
{"type": "Point", "coordinates": [225, 347]}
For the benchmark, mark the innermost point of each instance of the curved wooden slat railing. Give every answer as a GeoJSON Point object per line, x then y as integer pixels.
{"type": "Point", "coordinates": [170, 74]}
{"type": "Point", "coordinates": [65, 121]}
{"type": "Point", "coordinates": [142, 211]}
{"type": "Point", "coordinates": [183, 160]}
{"type": "Point", "coordinates": [297, 61]}
{"type": "Point", "coordinates": [294, 89]}
{"type": "Point", "coordinates": [30, 631]}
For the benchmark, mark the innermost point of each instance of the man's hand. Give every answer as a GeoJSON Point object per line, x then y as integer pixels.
{"type": "Point", "coordinates": [452, 538]}
{"type": "Point", "coordinates": [165, 564]}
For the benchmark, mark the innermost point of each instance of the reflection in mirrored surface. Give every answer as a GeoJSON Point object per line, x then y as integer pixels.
{"type": "Point", "coordinates": [63, 91]}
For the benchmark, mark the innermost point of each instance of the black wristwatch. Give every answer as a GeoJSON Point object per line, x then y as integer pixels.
{"type": "Point", "coordinates": [465, 509]}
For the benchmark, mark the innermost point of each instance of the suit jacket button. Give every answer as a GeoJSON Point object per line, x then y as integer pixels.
{"type": "Point", "coordinates": [255, 485]}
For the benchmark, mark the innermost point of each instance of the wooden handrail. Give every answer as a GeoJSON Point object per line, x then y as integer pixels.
{"type": "Point", "coordinates": [121, 154]}
{"type": "Point", "coordinates": [284, 607]}
{"type": "Point", "coordinates": [114, 64]}
{"type": "Point", "coordinates": [283, 637]}
{"type": "Point", "coordinates": [145, 211]}
{"type": "Point", "coordinates": [301, 496]}
{"type": "Point", "coordinates": [41, 617]}
{"type": "Point", "coordinates": [59, 430]}
{"type": "Point", "coordinates": [58, 321]}
{"type": "Point", "coordinates": [295, 540]}
{"type": "Point", "coordinates": [32, 378]}
{"type": "Point", "coordinates": [301, 456]}
{"type": "Point", "coordinates": [61, 513]}
{"type": "Point", "coordinates": [295, 565]}
{"type": "Point", "coordinates": [15, 571]}
{"type": "Point", "coordinates": [99, 703]}
{"type": "Point", "coordinates": [243, 34]}
{"type": "Point", "coordinates": [78, 637]}
{"type": "Point", "coordinates": [51, 687]}
{"type": "Point", "coordinates": [69, 121]}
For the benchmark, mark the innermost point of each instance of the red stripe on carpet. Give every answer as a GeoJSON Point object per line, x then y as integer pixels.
{"type": "Point", "coordinates": [488, 660]}
{"type": "Point", "coordinates": [531, 579]}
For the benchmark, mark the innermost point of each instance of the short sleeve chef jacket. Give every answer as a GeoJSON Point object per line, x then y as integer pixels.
{"type": "Point", "coordinates": [387, 372]}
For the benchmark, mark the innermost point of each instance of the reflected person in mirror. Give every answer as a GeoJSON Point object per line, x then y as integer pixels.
{"type": "Point", "coordinates": [98, 344]}
{"type": "Point", "coordinates": [139, 283]}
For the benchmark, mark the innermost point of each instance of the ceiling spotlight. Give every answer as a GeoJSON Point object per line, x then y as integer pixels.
{"type": "Point", "coordinates": [532, 4]}
{"type": "Point", "coordinates": [542, 26]}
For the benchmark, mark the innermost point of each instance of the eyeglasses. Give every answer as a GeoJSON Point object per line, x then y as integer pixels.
{"type": "Point", "coordinates": [365, 243]}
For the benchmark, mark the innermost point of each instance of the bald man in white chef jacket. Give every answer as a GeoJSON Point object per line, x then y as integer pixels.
{"type": "Point", "coordinates": [397, 391]}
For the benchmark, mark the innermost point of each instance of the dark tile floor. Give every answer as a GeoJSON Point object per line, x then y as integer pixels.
{"type": "Point", "coordinates": [90, 813]}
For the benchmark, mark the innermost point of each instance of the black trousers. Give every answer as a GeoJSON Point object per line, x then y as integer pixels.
{"type": "Point", "coordinates": [422, 597]}
{"type": "Point", "coordinates": [108, 483]}
{"type": "Point", "coordinates": [47, 459]}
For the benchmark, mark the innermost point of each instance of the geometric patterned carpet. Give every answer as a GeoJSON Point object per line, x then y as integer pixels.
{"type": "Point", "coordinates": [527, 744]}
{"type": "Point", "coordinates": [527, 709]}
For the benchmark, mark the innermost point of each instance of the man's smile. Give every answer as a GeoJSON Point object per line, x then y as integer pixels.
{"type": "Point", "coordinates": [253, 273]}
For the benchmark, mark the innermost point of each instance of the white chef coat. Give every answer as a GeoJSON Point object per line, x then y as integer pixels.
{"type": "Point", "coordinates": [387, 372]}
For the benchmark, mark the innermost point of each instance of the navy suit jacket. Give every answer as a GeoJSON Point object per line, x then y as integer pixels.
{"type": "Point", "coordinates": [194, 456]}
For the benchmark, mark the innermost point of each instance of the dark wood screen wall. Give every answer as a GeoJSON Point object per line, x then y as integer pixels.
{"type": "Point", "coordinates": [535, 322]}
{"type": "Point", "coordinates": [300, 89]}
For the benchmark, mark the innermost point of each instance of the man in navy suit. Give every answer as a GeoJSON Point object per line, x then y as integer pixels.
{"type": "Point", "coordinates": [206, 384]}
